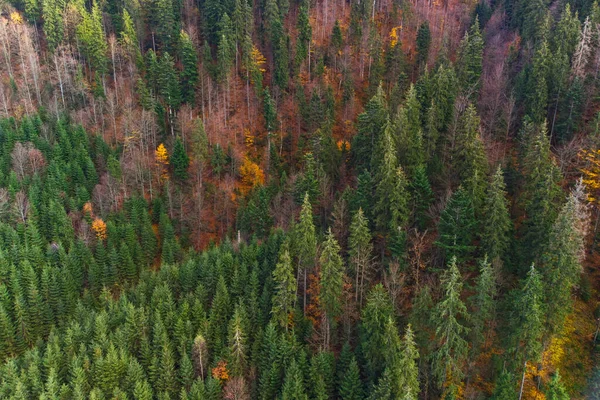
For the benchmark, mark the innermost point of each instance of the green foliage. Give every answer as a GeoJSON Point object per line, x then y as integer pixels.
{"type": "Point", "coordinates": [285, 283]}
{"type": "Point", "coordinates": [457, 226]}
{"type": "Point", "coordinates": [496, 224]}
{"type": "Point", "coordinates": [180, 161]}
{"type": "Point", "coordinates": [423, 43]}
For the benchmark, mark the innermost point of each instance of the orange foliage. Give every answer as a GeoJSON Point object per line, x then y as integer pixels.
{"type": "Point", "coordinates": [220, 371]}
{"type": "Point", "coordinates": [251, 175]}
{"type": "Point", "coordinates": [313, 311]}
{"type": "Point", "coordinates": [87, 208]}
{"type": "Point", "coordinates": [99, 227]}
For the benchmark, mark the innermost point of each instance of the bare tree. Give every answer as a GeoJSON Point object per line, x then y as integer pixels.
{"type": "Point", "coordinates": [21, 206]}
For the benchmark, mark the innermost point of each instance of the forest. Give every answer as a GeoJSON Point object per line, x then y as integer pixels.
{"type": "Point", "coordinates": [299, 199]}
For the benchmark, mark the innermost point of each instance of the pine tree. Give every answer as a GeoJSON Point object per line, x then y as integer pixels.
{"type": "Point", "coordinates": [168, 83]}
{"type": "Point", "coordinates": [505, 387]}
{"type": "Point", "coordinates": [409, 367]}
{"type": "Point", "coordinates": [371, 124]}
{"type": "Point", "coordinates": [483, 302]}
{"type": "Point", "coordinates": [562, 259]}
{"type": "Point", "coordinates": [556, 389]}
{"type": "Point", "coordinates": [332, 281]}
{"type": "Point", "coordinates": [238, 342]}
{"type": "Point", "coordinates": [391, 196]}
{"type": "Point", "coordinates": [189, 74]}
{"type": "Point", "coordinates": [351, 387]}
{"type": "Point", "coordinates": [423, 43]}
{"type": "Point", "coordinates": [180, 161]}
{"type": "Point", "coordinates": [529, 319]}
{"type": "Point", "coordinates": [421, 196]}
{"type": "Point", "coordinates": [410, 139]}
{"type": "Point", "coordinates": [304, 32]}
{"type": "Point", "coordinates": [456, 226]}
{"type": "Point", "coordinates": [293, 384]}
{"type": "Point", "coordinates": [496, 224]}
{"type": "Point", "coordinates": [219, 312]}
{"type": "Point", "coordinates": [305, 245]}
{"type": "Point", "coordinates": [53, 23]}
{"type": "Point", "coordinates": [470, 61]}
{"type": "Point", "coordinates": [285, 284]}
{"type": "Point", "coordinates": [360, 254]}
{"type": "Point", "coordinates": [541, 192]}
{"type": "Point", "coordinates": [450, 312]}
{"type": "Point", "coordinates": [375, 315]}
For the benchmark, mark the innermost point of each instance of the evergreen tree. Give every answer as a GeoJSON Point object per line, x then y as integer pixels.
{"type": "Point", "coordinates": [189, 74]}
{"type": "Point", "coordinates": [496, 224]}
{"type": "Point", "coordinates": [505, 387]}
{"type": "Point", "coordinates": [556, 389]}
{"type": "Point", "coordinates": [305, 245]}
{"type": "Point", "coordinates": [351, 387]}
{"type": "Point", "coordinates": [562, 259]}
{"type": "Point", "coordinates": [377, 312]}
{"type": "Point", "coordinates": [483, 302]}
{"type": "Point", "coordinates": [456, 226]}
{"type": "Point", "coordinates": [284, 297]}
{"type": "Point", "coordinates": [371, 124]}
{"type": "Point", "coordinates": [450, 312]}
{"type": "Point", "coordinates": [421, 196]}
{"type": "Point", "coordinates": [91, 35]}
{"type": "Point", "coordinates": [470, 61]}
{"type": "Point", "coordinates": [304, 32]}
{"type": "Point", "coordinates": [53, 23]}
{"type": "Point", "coordinates": [332, 281]}
{"type": "Point", "coordinates": [360, 254]}
{"type": "Point", "coordinates": [423, 43]}
{"type": "Point", "coordinates": [293, 384]}
{"type": "Point", "coordinates": [180, 161]}
{"type": "Point", "coordinates": [410, 139]}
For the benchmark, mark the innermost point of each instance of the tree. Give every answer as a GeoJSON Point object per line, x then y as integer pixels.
{"type": "Point", "coordinates": [505, 387]}
{"type": "Point", "coordinates": [53, 23]}
{"type": "Point", "coordinates": [529, 319]}
{"type": "Point", "coordinates": [168, 83]}
{"type": "Point", "coordinates": [238, 342]}
{"type": "Point", "coordinates": [189, 74]}
{"type": "Point", "coordinates": [410, 138]}
{"type": "Point", "coordinates": [180, 161]}
{"type": "Point", "coordinates": [563, 257]}
{"type": "Point", "coordinates": [375, 315]}
{"type": "Point", "coordinates": [351, 387]}
{"type": "Point", "coordinates": [496, 224]}
{"type": "Point", "coordinates": [284, 297]}
{"type": "Point", "coordinates": [391, 195]}
{"type": "Point", "coordinates": [305, 244]}
{"type": "Point", "coordinates": [470, 61]}
{"type": "Point", "coordinates": [371, 124]}
{"type": "Point", "coordinates": [537, 93]}
{"type": "Point", "coordinates": [359, 251]}
{"type": "Point", "coordinates": [91, 35]}
{"type": "Point", "coordinates": [332, 281]}
{"type": "Point", "coordinates": [167, 25]}
{"type": "Point", "coordinates": [421, 196]}
{"type": "Point", "coordinates": [456, 226]}
{"type": "Point", "coordinates": [409, 369]}
{"type": "Point", "coordinates": [293, 384]}
{"type": "Point", "coordinates": [304, 32]}
{"type": "Point", "coordinates": [450, 354]}
{"type": "Point", "coordinates": [129, 39]}
{"type": "Point", "coordinates": [483, 302]}
{"type": "Point", "coordinates": [556, 389]}
{"type": "Point", "coordinates": [423, 43]}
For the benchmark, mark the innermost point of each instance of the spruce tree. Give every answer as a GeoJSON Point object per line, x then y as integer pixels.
{"type": "Point", "coordinates": [451, 352]}
{"type": "Point", "coordinates": [496, 224]}
{"type": "Point", "coordinates": [470, 61]}
{"type": "Point", "coordinates": [375, 315]}
{"type": "Point", "coordinates": [285, 283]}
{"type": "Point", "coordinates": [360, 254]}
{"type": "Point", "coordinates": [456, 226]}
{"type": "Point", "coordinates": [423, 43]}
{"type": "Point", "coordinates": [483, 302]}
{"type": "Point", "coordinates": [563, 257]}
{"type": "Point", "coordinates": [421, 196]}
{"type": "Point", "coordinates": [351, 387]}
{"type": "Point", "coordinates": [332, 281]}
{"type": "Point", "coordinates": [180, 161]}
{"type": "Point", "coordinates": [305, 245]}
{"type": "Point", "coordinates": [505, 387]}
{"type": "Point", "coordinates": [189, 74]}
{"type": "Point", "coordinates": [293, 384]}
{"type": "Point", "coordinates": [410, 138]}
{"type": "Point", "coordinates": [371, 124]}
{"type": "Point", "coordinates": [556, 390]}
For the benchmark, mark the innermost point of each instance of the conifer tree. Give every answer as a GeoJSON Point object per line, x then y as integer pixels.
{"type": "Point", "coordinates": [423, 43]}
{"type": "Point", "coordinates": [483, 302]}
{"type": "Point", "coordinates": [351, 387]}
{"type": "Point", "coordinates": [91, 34]}
{"type": "Point", "coordinates": [189, 74]}
{"type": "Point", "coordinates": [168, 83]}
{"type": "Point", "coordinates": [305, 245]}
{"type": "Point", "coordinates": [285, 283]}
{"type": "Point", "coordinates": [53, 23]}
{"type": "Point", "coordinates": [456, 226]}
{"type": "Point", "coordinates": [409, 367]}
{"type": "Point", "coordinates": [410, 139]}
{"type": "Point", "coordinates": [421, 196]}
{"type": "Point", "coordinates": [496, 224]}
{"type": "Point", "coordinates": [304, 32]}
{"type": "Point", "coordinates": [505, 387]}
{"type": "Point", "coordinates": [377, 312]}
{"type": "Point", "coordinates": [167, 25]}
{"type": "Point", "coordinates": [360, 254]}
{"type": "Point", "coordinates": [451, 352]}
{"type": "Point", "coordinates": [371, 124]}
{"type": "Point", "coordinates": [180, 161]}
{"type": "Point", "coordinates": [556, 389]}
{"type": "Point", "coordinates": [293, 384]}
{"type": "Point", "coordinates": [470, 61]}
{"type": "Point", "coordinates": [562, 259]}
{"type": "Point", "coordinates": [238, 342]}
{"type": "Point", "coordinates": [332, 281]}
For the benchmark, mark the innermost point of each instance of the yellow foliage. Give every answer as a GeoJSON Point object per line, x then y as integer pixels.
{"type": "Point", "coordinates": [248, 138]}
{"type": "Point", "coordinates": [251, 175]}
{"type": "Point", "coordinates": [591, 174]}
{"type": "Point", "coordinates": [343, 145]}
{"type": "Point", "coordinates": [87, 208]}
{"type": "Point", "coordinates": [394, 36]}
{"type": "Point", "coordinates": [162, 160]}
{"type": "Point", "coordinates": [16, 18]}
{"type": "Point", "coordinates": [161, 155]}
{"type": "Point", "coordinates": [99, 227]}
{"type": "Point", "coordinates": [258, 59]}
